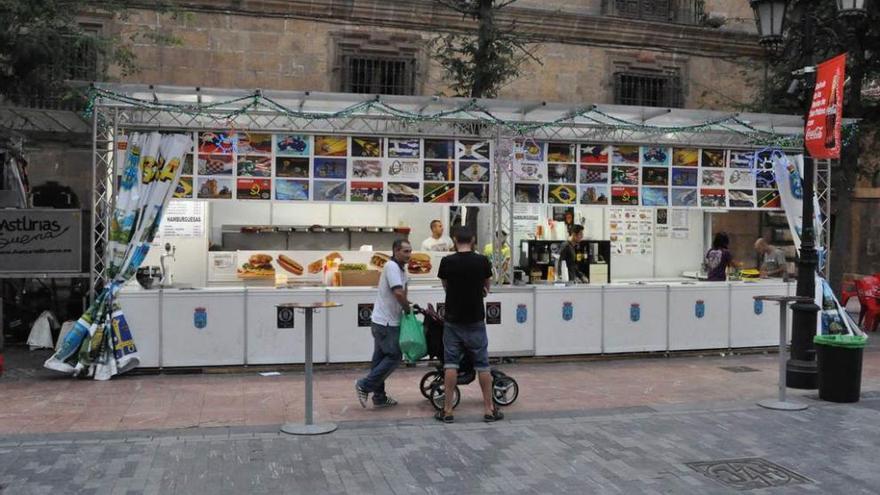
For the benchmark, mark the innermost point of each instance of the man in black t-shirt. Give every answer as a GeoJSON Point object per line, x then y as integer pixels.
{"type": "Point", "coordinates": [568, 254]}
{"type": "Point", "coordinates": [466, 276]}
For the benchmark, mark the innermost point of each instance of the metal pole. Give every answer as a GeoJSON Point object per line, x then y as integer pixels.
{"type": "Point", "coordinates": [308, 370]}
{"type": "Point", "coordinates": [801, 368]}
{"type": "Point", "coordinates": [783, 327]}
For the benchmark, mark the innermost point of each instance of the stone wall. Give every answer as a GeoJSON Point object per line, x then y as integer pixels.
{"type": "Point", "coordinates": [238, 51]}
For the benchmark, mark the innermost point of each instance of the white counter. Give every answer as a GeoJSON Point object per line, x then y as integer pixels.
{"type": "Point", "coordinates": [237, 325]}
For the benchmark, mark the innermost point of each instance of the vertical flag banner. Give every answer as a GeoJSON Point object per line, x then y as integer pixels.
{"type": "Point", "coordinates": [101, 343]}
{"type": "Point", "coordinates": [822, 134]}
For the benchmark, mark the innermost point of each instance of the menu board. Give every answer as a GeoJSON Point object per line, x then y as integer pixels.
{"type": "Point", "coordinates": [183, 219]}
{"type": "Point", "coordinates": [631, 230]}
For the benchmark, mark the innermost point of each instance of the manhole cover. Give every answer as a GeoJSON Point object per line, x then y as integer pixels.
{"type": "Point", "coordinates": [748, 474]}
{"type": "Point", "coordinates": [739, 369]}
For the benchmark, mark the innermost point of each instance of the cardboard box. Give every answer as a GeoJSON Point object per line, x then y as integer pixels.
{"type": "Point", "coordinates": [365, 278]}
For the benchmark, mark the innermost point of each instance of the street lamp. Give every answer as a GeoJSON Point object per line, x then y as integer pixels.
{"type": "Point", "coordinates": [769, 15]}
{"type": "Point", "coordinates": [846, 8]}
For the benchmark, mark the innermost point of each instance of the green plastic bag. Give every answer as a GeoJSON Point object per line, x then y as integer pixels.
{"type": "Point", "coordinates": [846, 341]}
{"type": "Point", "coordinates": [412, 338]}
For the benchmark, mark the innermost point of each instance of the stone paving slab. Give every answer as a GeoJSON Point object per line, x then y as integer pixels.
{"type": "Point", "coordinates": [44, 402]}
{"type": "Point", "coordinates": [829, 448]}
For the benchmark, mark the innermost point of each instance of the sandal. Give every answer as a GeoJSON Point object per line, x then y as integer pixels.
{"type": "Point", "coordinates": [495, 416]}
{"type": "Point", "coordinates": [443, 417]}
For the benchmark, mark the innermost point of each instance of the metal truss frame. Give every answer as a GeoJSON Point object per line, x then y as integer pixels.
{"type": "Point", "coordinates": [144, 108]}
{"type": "Point", "coordinates": [104, 131]}
{"type": "Point", "coordinates": [822, 181]}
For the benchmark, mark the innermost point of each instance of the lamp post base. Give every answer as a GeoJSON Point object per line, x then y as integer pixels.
{"type": "Point", "coordinates": [304, 429]}
{"type": "Point", "coordinates": [801, 374]}
{"type": "Point", "coordinates": [782, 406]}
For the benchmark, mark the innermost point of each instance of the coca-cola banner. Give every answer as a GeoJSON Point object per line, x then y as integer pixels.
{"type": "Point", "coordinates": [822, 134]}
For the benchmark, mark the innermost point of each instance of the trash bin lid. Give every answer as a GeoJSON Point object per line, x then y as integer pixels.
{"type": "Point", "coordinates": [849, 341]}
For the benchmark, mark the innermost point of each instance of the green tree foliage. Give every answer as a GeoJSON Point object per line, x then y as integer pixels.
{"type": "Point", "coordinates": [43, 46]}
{"type": "Point", "coordinates": [833, 36]}
{"type": "Point", "coordinates": [479, 64]}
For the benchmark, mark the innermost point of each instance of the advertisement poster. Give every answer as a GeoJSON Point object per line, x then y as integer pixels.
{"type": "Point", "coordinates": [38, 240]}
{"type": "Point", "coordinates": [364, 314]}
{"type": "Point", "coordinates": [822, 133]}
{"type": "Point", "coordinates": [493, 313]}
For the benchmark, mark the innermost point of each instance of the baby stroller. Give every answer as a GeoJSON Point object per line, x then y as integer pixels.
{"type": "Point", "coordinates": [505, 390]}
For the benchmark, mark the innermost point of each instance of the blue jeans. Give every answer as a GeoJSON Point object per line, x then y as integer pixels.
{"type": "Point", "coordinates": [459, 338]}
{"type": "Point", "coordinates": [386, 359]}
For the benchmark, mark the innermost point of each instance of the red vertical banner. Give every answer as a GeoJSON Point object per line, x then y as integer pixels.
{"type": "Point", "coordinates": [822, 134]}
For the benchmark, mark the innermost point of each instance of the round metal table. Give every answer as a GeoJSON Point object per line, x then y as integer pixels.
{"type": "Point", "coordinates": [781, 404]}
{"type": "Point", "coordinates": [309, 427]}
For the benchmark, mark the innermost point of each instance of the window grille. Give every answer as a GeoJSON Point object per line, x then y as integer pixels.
{"type": "Point", "coordinates": [676, 11]}
{"type": "Point", "coordinates": [80, 60]}
{"type": "Point", "coordinates": [648, 90]}
{"type": "Point", "coordinates": [378, 75]}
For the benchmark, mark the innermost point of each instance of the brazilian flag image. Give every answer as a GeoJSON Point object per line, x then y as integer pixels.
{"type": "Point", "coordinates": [439, 192]}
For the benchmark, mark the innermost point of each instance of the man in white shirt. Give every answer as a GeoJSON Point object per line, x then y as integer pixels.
{"type": "Point", "coordinates": [391, 302]}
{"type": "Point", "coordinates": [437, 241]}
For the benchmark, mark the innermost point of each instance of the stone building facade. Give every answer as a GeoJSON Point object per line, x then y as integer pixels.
{"type": "Point", "coordinates": [658, 53]}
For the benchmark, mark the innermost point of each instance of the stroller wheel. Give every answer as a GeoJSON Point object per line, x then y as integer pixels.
{"type": "Point", "coordinates": [438, 396]}
{"type": "Point", "coordinates": [428, 381]}
{"type": "Point", "coordinates": [505, 390]}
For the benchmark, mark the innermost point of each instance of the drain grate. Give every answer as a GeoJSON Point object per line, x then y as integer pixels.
{"type": "Point", "coordinates": [748, 474]}
{"type": "Point", "coordinates": [739, 369]}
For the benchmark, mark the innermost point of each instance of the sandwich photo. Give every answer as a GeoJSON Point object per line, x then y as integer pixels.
{"type": "Point", "coordinates": [316, 266]}
{"type": "Point", "coordinates": [333, 257]}
{"type": "Point", "coordinates": [379, 259]}
{"type": "Point", "coordinates": [289, 265]}
{"type": "Point", "coordinates": [258, 266]}
{"type": "Point", "coordinates": [419, 263]}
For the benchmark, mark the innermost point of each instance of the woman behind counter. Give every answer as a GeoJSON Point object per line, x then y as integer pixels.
{"type": "Point", "coordinates": [718, 259]}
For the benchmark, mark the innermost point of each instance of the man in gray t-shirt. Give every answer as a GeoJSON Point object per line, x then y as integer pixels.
{"type": "Point", "coordinates": [773, 263]}
{"type": "Point", "coordinates": [391, 302]}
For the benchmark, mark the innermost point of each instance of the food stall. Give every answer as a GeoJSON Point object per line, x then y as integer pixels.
{"type": "Point", "coordinates": [296, 197]}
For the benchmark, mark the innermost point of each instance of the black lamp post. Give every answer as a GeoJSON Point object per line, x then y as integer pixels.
{"type": "Point", "coordinates": [770, 17]}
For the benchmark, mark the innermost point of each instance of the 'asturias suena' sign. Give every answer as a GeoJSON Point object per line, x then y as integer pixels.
{"type": "Point", "coordinates": [40, 241]}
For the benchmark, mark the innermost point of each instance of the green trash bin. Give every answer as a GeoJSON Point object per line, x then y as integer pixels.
{"type": "Point", "coordinates": [839, 360]}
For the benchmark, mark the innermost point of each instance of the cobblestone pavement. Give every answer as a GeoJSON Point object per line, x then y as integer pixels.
{"type": "Point", "coordinates": [829, 448]}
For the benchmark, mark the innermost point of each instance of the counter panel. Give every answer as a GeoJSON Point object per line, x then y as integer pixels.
{"type": "Point", "coordinates": [515, 334]}
{"type": "Point", "coordinates": [569, 321]}
{"type": "Point", "coordinates": [699, 316]}
{"type": "Point", "coordinates": [141, 309]}
{"type": "Point", "coordinates": [221, 339]}
{"type": "Point", "coordinates": [350, 342]}
{"type": "Point", "coordinates": [648, 333]}
{"type": "Point", "coordinates": [268, 344]}
{"type": "Point", "coordinates": [750, 329]}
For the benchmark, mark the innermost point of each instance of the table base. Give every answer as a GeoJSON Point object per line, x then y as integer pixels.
{"type": "Point", "coordinates": [304, 429]}
{"type": "Point", "coordinates": [782, 406]}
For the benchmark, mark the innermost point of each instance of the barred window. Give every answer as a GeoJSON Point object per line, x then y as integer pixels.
{"type": "Point", "coordinates": [643, 9]}
{"type": "Point", "coordinates": [378, 75]}
{"type": "Point", "coordinates": [677, 11]}
{"type": "Point", "coordinates": [80, 59]}
{"type": "Point", "coordinates": [648, 89]}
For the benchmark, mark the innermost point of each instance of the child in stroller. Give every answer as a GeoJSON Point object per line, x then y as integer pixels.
{"type": "Point", "coordinates": [505, 390]}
